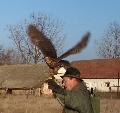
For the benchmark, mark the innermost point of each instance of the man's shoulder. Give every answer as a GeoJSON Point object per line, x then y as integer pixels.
{"type": "Point", "coordinates": [80, 86]}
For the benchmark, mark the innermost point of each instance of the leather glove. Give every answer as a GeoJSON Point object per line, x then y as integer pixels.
{"type": "Point", "coordinates": [54, 86]}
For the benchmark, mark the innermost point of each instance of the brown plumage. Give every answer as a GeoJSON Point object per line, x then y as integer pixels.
{"type": "Point", "coordinates": [78, 47]}
{"type": "Point", "coordinates": [47, 48]}
{"type": "Point", "coordinates": [42, 42]}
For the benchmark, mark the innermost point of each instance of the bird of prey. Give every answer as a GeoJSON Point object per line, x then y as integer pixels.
{"type": "Point", "coordinates": [39, 39]}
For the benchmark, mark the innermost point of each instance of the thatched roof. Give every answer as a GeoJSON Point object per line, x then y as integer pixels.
{"type": "Point", "coordinates": [22, 76]}
{"type": "Point", "coordinates": [98, 68]}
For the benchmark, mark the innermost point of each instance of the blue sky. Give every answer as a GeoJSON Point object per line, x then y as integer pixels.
{"type": "Point", "coordinates": [78, 17]}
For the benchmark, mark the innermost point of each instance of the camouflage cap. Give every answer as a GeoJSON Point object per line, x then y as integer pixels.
{"type": "Point", "coordinates": [72, 72]}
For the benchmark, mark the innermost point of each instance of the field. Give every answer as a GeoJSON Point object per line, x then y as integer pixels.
{"type": "Point", "coordinates": [110, 106]}
{"type": "Point", "coordinates": [35, 104]}
{"type": "Point", "coordinates": [32, 104]}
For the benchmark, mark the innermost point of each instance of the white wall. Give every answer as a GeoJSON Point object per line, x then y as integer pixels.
{"type": "Point", "coordinates": [100, 84]}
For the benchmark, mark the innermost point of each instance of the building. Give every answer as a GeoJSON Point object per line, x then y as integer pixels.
{"type": "Point", "coordinates": [100, 74]}
{"type": "Point", "coordinates": [25, 78]}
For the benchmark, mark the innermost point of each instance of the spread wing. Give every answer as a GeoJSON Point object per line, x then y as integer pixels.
{"type": "Point", "coordinates": [78, 47]}
{"type": "Point", "coordinates": [42, 42]}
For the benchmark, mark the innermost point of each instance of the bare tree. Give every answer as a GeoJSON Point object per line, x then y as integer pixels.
{"type": "Point", "coordinates": [9, 56]}
{"type": "Point", "coordinates": [14, 57]}
{"type": "Point", "coordinates": [52, 28]}
{"type": "Point", "coordinates": [4, 56]}
{"type": "Point", "coordinates": [1, 54]}
{"type": "Point", "coordinates": [109, 47]}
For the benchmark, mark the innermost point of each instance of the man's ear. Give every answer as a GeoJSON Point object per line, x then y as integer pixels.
{"type": "Point", "coordinates": [74, 79]}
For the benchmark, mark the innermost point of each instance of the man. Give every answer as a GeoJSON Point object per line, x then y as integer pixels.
{"type": "Point", "coordinates": [74, 95]}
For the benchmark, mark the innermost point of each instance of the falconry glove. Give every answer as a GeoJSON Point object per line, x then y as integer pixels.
{"type": "Point", "coordinates": [55, 87]}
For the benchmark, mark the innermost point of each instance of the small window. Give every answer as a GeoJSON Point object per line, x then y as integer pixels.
{"type": "Point", "coordinates": [107, 84]}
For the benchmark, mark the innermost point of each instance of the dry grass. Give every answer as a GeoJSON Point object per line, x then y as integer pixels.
{"type": "Point", "coordinates": [32, 104]}
{"type": "Point", "coordinates": [110, 106]}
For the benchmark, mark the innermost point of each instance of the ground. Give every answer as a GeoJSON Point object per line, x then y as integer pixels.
{"type": "Point", "coordinates": [35, 104]}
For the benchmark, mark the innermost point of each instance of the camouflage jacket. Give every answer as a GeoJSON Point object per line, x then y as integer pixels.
{"type": "Point", "coordinates": [77, 100]}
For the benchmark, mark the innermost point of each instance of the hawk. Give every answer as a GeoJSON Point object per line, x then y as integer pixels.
{"type": "Point", "coordinates": [39, 39]}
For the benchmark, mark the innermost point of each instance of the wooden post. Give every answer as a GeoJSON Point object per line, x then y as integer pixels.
{"type": "Point", "coordinates": [118, 85]}
{"type": "Point", "coordinates": [9, 91]}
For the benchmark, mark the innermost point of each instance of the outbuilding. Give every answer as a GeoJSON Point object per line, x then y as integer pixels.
{"type": "Point", "coordinates": [100, 74]}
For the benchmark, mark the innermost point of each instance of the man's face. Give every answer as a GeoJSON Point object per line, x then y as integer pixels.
{"type": "Point", "coordinates": [67, 83]}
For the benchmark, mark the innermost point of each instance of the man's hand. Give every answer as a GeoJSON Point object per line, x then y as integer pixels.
{"type": "Point", "coordinates": [54, 86]}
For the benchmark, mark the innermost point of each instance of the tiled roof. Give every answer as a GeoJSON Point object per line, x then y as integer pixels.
{"type": "Point", "coordinates": [98, 68]}
{"type": "Point", "coordinates": [23, 76]}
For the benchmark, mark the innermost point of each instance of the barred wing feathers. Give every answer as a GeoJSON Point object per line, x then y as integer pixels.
{"type": "Point", "coordinates": [42, 42]}
{"type": "Point", "coordinates": [77, 48]}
